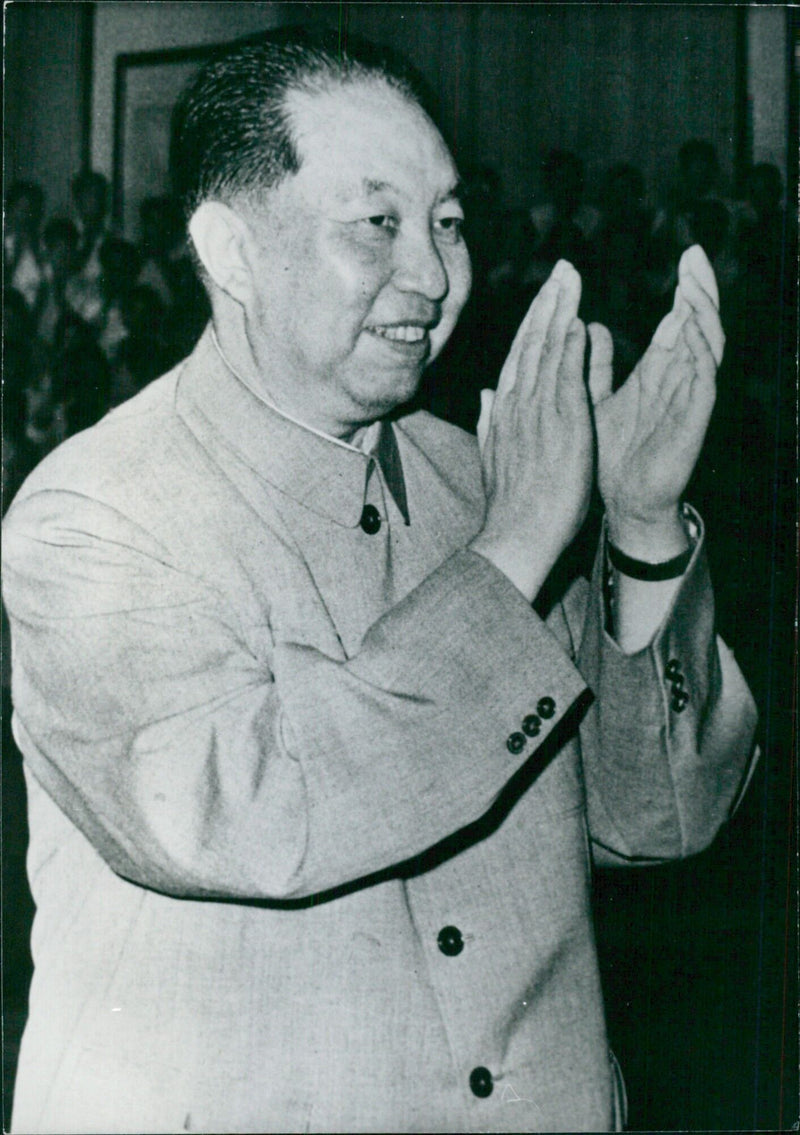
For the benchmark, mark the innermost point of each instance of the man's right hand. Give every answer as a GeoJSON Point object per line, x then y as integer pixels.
{"type": "Point", "coordinates": [536, 440]}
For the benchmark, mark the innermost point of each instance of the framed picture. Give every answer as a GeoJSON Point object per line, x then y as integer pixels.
{"type": "Point", "coordinates": [147, 86]}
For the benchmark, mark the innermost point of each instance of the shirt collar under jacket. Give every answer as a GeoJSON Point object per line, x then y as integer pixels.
{"type": "Point", "coordinates": [325, 474]}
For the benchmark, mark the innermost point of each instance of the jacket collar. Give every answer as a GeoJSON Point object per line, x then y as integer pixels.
{"type": "Point", "coordinates": [314, 470]}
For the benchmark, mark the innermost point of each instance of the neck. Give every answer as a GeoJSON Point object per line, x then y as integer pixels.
{"type": "Point", "coordinates": [239, 356]}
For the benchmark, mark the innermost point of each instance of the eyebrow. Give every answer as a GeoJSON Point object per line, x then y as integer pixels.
{"type": "Point", "coordinates": [369, 186]}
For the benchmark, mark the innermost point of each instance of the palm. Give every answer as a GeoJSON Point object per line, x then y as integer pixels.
{"type": "Point", "coordinates": [650, 432]}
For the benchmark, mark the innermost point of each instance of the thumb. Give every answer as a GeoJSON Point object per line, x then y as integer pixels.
{"type": "Point", "coordinates": [487, 402]}
{"type": "Point", "coordinates": [601, 358]}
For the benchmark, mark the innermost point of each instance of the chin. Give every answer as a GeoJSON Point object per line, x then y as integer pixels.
{"type": "Point", "coordinates": [378, 403]}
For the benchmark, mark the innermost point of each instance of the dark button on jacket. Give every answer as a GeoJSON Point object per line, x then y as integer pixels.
{"type": "Point", "coordinates": [450, 941]}
{"type": "Point", "coordinates": [546, 707]}
{"type": "Point", "coordinates": [680, 696]}
{"type": "Point", "coordinates": [516, 743]}
{"type": "Point", "coordinates": [370, 519]}
{"type": "Point", "coordinates": [481, 1082]}
{"type": "Point", "coordinates": [531, 724]}
{"type": "Point", "coordinates": [680, 699]}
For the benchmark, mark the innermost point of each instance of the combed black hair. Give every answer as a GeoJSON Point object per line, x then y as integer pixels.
{"type": "Point", "coordinates": [231, 133]}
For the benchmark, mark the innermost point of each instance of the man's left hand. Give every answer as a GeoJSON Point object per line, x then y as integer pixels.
{"type": "Point", "coordinates": [649, 433]}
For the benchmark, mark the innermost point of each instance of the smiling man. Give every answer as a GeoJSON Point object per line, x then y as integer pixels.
{"type": "Point", "coordinates": [314, 793]}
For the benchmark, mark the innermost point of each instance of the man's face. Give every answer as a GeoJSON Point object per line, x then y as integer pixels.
{"type": "Point", "coordinates": [362, 268]}
{"type": "Point", "coordinates": [90, 202]}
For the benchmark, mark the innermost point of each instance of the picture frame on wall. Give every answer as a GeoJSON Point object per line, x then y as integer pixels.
{"type": "Point", "coordinates": [146, 89]}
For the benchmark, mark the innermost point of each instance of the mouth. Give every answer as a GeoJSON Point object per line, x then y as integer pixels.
{"type": "Point", "coordinates": [408, 338]}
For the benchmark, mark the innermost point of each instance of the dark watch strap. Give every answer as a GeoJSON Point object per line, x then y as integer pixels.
{"type": "Point", "coordinates": [648, 573]}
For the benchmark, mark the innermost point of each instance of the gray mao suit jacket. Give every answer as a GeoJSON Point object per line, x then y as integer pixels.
{"type": "Point", "coordinates": [313, 802]}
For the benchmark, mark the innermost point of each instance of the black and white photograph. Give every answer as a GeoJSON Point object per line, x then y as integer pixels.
{"type": "Point", "coordinates": [399, 567]}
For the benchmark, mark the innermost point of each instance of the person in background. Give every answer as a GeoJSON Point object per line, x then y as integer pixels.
{"type": "Point", "coordinates": [145, 351]}
{"type": "Point", "coordinates": [163, 241]}
{"type": "Point", "coordinates": [167, 268]}
{"type": "Point", "coordinates": [22, 269]}
{"type": "Point", "coordinates": [696, 185]}
{"type": "Point", "coordinates": [615, 288]}
{"type": "Point", "coordinates": [761, 232]}
{"type": "Point", "coordinates": [60, 244]}
{"type": "Point", "coordinates": [90, 194]}
{"type": "Point", "coordinates": [120, 261]}
{"type": "Point", "coordinates": [562, 226]}
{"type": "Point", "coordinates": [19, 453]}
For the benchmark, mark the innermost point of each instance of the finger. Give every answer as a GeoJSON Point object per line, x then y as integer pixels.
{"type": "Point", "coordinates": [485, 417]}
{"type": "Point", "coordinates": [707, 315]}
{"type": "Point", "coordinates": [694, 262]}
{"type": "Point", "coordinates": [565, 315]}
{"type": "Point", "coordinates": [668, 394]}
{"type": "Point", "coordinates": [601, 360]}
{"type": "Point", "coordinates": [569, 280]}
{"type": "Point", "coordinates": [668, 331]}
{"type": "Point", "coordinates": [570, 388]}
{"type": "Point", "coordinates": [531, 335]}
{"type": "Point", "coordinates": [705, 366]}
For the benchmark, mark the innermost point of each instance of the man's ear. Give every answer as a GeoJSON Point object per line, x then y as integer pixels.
{"type": "Point", "coordinates": [222, 240]}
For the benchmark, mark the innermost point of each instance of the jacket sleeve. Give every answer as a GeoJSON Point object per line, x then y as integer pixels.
{"type": "Point", "coordinates": [196, 768]}
{"type": "Point", "coordinates": [667, 744]}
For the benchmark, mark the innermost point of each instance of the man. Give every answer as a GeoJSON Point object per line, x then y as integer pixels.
{"type": "Point", "coordinates": [22, 269]}
{"type": "Point", "coordinates": [84, 291]}
{"type": "Point", "coordinates": [311, 784]}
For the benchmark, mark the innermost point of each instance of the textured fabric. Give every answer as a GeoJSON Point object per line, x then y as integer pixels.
{"type": "Point", "coordinates": [271, 756]}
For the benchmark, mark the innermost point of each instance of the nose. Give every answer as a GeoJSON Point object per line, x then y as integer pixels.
{"type": "Point", "coordinates": [419, 267]}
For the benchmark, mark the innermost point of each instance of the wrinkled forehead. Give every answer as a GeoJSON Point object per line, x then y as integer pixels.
{"type": "Point", "coordinates": [366, 132]}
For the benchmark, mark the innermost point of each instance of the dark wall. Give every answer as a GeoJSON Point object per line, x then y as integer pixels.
{"type": "Point", "coordinates": [45, 95]}
{"type": "Point", "coordinates": [612, 82]}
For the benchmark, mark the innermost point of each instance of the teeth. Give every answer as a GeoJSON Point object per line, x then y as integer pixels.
{"type": "Point", "coordinates": [405, 333]}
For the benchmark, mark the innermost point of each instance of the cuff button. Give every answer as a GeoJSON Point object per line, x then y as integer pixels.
{"type": "Point", "coordinates": [546, 707]}
{"type": "Point", "coordinates": [680, 699]}
{"type": "Point", "coordinates": [516, 743]}
{"type": "Point", "coordinates": [531, 725]}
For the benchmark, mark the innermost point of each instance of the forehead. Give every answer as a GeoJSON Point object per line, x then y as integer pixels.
{"type": "Point", "coordinates": [358, 138]}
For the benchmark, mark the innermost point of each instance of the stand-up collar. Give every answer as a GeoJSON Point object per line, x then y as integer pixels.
{"type": "Point", "coordinates": [316, 471]}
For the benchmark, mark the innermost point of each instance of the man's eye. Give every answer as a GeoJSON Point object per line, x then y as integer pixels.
{"type": "Point", "coordinates": [450, 227]}
{"type": "Point", "coordinates": [382, 221]}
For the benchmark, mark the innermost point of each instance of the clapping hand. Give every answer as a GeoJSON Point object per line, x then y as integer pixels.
{"type": "Point", "coordinates": [535, 437]}
{"type": "Point", "coordinates": [649, 433]}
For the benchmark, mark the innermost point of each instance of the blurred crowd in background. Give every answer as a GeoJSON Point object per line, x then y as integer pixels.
{"type": "Point", "coordinates": [90, 318]}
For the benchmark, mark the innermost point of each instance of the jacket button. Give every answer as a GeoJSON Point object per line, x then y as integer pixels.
{"type": "Point", "coordinates": [546, 707]}
{"type": "Point", "coordinates": [370, 519]}
{"type": "Point", "coordinates": [531, 725]}
{"type": "Point", "coordinates": [516, 743]}
{"type": "Point", "coordinates": [673, 668]}
{"type": "Point", "coordinates": [450, 941]}
{"type": "Point", "coordinates": [481, 1082]}
{"type": "Point", "coordinates": [680, 699]}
